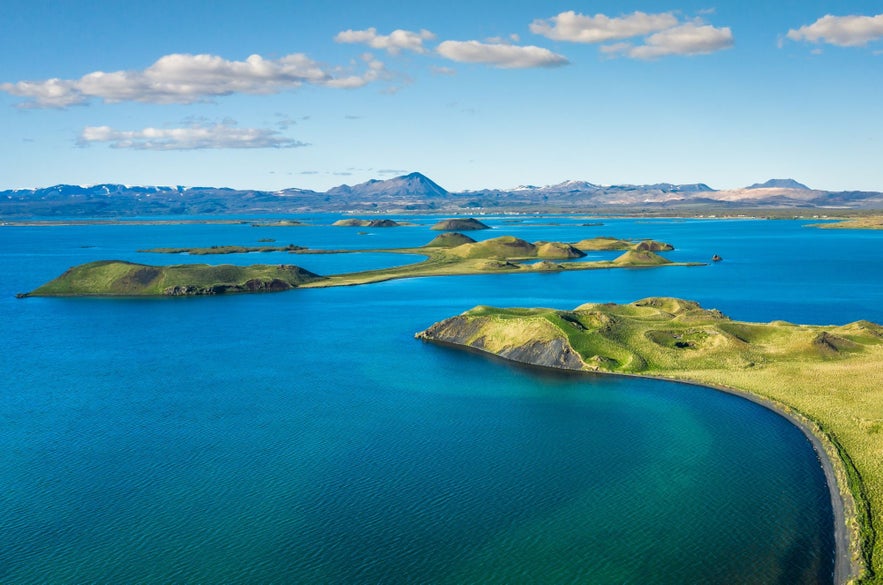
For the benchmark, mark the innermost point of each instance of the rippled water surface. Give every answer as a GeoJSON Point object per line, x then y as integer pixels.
{"type": "Point", "coordinates": [307, 437]}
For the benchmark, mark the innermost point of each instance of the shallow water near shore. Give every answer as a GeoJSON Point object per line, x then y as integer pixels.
{"type": "Point", "coordinates": [307, 437]}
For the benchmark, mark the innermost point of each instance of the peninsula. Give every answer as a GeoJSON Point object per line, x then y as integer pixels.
{"type": "Point", "coordinates": [826, 379]}
{"type": "Point", "coordinates": [867, 222]}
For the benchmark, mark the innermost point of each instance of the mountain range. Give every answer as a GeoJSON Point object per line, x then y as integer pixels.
{"type": "Point", "coordinates": [415, 192]}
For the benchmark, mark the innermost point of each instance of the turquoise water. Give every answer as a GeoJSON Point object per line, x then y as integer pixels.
{"type": "Point", "coordinates": [306, 437]}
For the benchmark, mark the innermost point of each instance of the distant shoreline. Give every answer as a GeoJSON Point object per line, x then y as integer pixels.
{"type": "Point", "coordinates": [860, 218]}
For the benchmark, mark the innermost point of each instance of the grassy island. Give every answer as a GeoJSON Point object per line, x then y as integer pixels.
{"type": "Point", "coordinates": [828, 379]}
{"type": "Point", "coordinates": [224, 250]}
{"type": "Point", "coordinates": [447, 254]}
{"type": "Point", "coordinates": [456, 254]}
{"type": "Point", "coordinates": [116, 278]}
{"type": "Point", "coordinates": [369, 223]}
{"type": "Point", "coordinates": [604, 243]}
{"type": "Point", "coordinates": [459, 225]}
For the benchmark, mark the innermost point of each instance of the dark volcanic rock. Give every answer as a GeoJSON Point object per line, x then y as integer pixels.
{"type": "Point", "coordinates": [464, 332]}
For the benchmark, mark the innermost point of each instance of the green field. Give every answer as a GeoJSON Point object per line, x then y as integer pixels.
{"type": "Point", "coordinates": [830, 379]}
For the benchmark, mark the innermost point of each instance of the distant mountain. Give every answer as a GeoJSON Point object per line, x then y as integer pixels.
{"type": "Point", "coordinates": [411, 192]}
{"type": "Point", "coordinates": [565, 187]}
{"type": "Point", "coordinates": [780, 184]}
{"type": "Point", "coordinates": [414, 184]}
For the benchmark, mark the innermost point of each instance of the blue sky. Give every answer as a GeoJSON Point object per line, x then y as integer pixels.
{"type": "Point", "coordinates": [475, 94]}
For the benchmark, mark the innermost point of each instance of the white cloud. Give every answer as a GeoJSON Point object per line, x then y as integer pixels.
{"type": "Point", "coordinates": [394, 43]}
{"type": "Point", "coordinates": [579, 28]}
{"type": "Point", "coordinates": [500, 55]}
{"type": "Point", "coordinates": [194, 137]}
{"type": "Point", "coordinates": [687, 39]}
{"type": "Point", "coordinates": [185, 79]}
{"type": "Point", "coordinates": [438, 70]}
{"type": "Point", "coordinates": [844, 31]}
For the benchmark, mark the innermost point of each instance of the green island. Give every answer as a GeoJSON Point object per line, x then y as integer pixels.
{"type": "Point", "coordinates": [223, 250]}
{"type": "Point", "coordinates": [459, 225]}
{"type": "Point", "coordinates": [826, 379]}
{"type": "Point", "coordinates": [118, 278]}
{"type": "Point", "coordinates": [278, 223]}
{"type": "Point", "coordinates": [446, 255]}
{"type": "Point", "coordinates": [370, 223]}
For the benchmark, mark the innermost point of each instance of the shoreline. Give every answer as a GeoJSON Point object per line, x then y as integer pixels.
{"type": "Point", "coordinates": [847, 567]}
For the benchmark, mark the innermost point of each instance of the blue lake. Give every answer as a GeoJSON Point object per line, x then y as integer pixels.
{"type": "Point", "coordinates": [306, 437]}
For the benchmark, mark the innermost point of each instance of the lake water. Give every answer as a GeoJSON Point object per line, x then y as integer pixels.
{"type": "Point", "coordinates": [306, 437]}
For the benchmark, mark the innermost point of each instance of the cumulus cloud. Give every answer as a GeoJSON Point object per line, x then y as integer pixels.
{"type": "Point", "coordinates": [394, 43]}
{"type": "Point", "coordinates": [579, 28]}
{"type": "Point", "coordinates": [185, 79]}
{"type": "Point", "coordinates": [687, 39]}
{"type": "Point", "coordinates": [843, 31]}
{"type": "Point", "coordinates": [500, 55]}
{"type": "Point", "coordinates": [194, 137]}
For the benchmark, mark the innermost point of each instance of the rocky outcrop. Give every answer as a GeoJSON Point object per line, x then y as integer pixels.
{"type": "Point", "coordinates": [253, 285]}
{"type": "Point", "coordinates": [468, 332]}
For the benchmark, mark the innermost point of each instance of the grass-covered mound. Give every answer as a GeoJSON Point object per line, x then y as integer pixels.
{"type": "Point", "coordinates": [370, 223]}
{"type": "Point", "coordinates": [641, 258]}
{"type": "Point", "coordinates": [604, 243]}
{"type": "Point", "coordinates": [116, 278]}
{"type": "Point", "coordinates": [512, 248]}
{"type": "Point", "coordinates": [830, 378]}
{"type": "Point", "coordinates": [449, 240]}
{"type": "Point", "coordinates": [459, 225]}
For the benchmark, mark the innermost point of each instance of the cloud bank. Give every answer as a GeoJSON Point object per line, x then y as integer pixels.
{"type": "Point", "coordinates": [578, 28]}
{"type": "Point", "coordinates": [500, 55]}
{"type": "Point", "coordinates": [664, 33]}
{"type": "Point", "coordinates": [686, 39]}
{"type": "Point", "coordinates": [222, 135]}
{"type": "Point", "coordinates": [185, 79]}
{"type": "Point", "coordinates": [395, 42]}
{"type": "Point", "coordinates": [843, 31]}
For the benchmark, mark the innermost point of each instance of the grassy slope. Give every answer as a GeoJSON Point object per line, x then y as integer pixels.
{"type": "Point", "coordinates": [110, 278]}
{"type": "Point", "coordinates": [832, 376]}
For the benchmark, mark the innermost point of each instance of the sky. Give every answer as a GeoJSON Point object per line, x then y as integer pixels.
{"type": "Point", "coordinates": [474, 94]}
